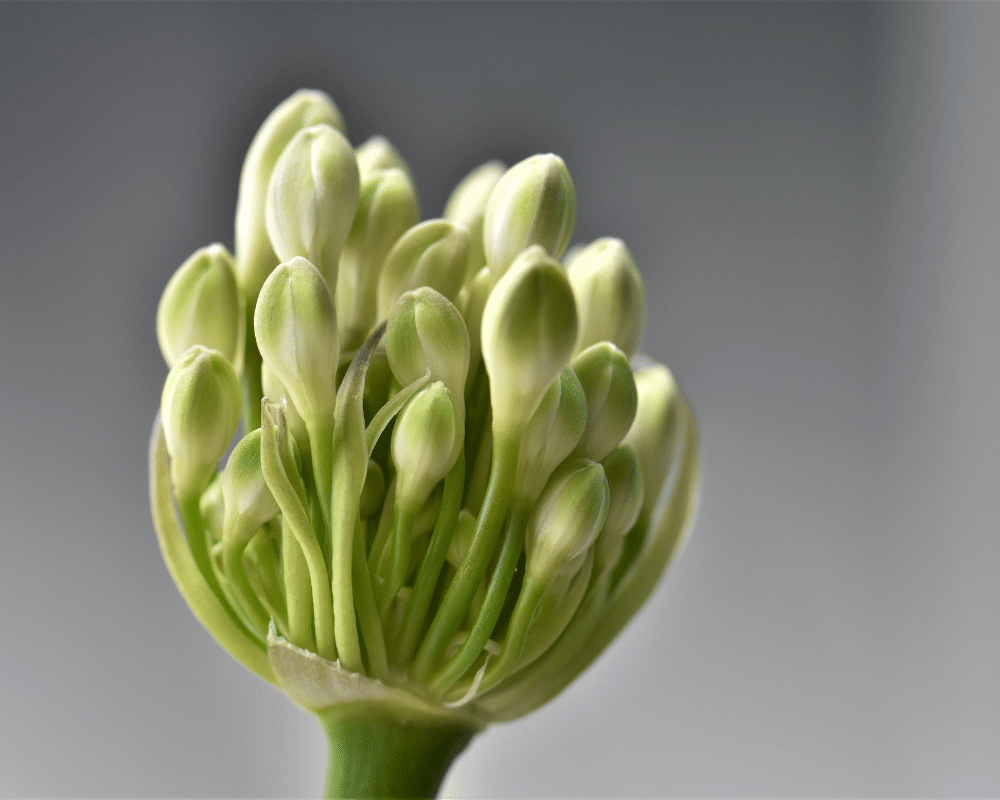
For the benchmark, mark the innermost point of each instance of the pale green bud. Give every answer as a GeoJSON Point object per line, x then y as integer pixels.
{"type": "Point", "coordinates": [312, 199]}
{"type": "Point", "coordinates": [423, 444]}
{"type": "Point", "coordinates": [570, 514]}
{"type": "Point", "coordinates": [379, 153]}
{"type": "Point", "coordinates": [551, 434]}
{"type": "Point", "coordinates": [533, 203]}
{"type": "Point", "coordinates": [467, 206]}
{"type": "Point", "coordinates": [200, 306]}
{"type": "Point", "coordinates": [654, 428]}
{"type": "Point", "coordinates": [296, 330]}
{"type": "Point", "coordinates": [609, 385]}
{"type": "Point", "coordinates": [255, 257]}
{"type": "Point", "coordinates": [528, 333]}
{"type": "Point", "coordinates": [433, 253]}
{"type": "Point", "coordinates": [248, 500]}
{"type": "Point", "coordinates": [275, 390]}
{"type": "Point", "coordinates": [625, 488]}
{"type": "Point", "coordinates": [609, 296]}
{"type": "Point", "coordinates": [387, 208]}
{"type": "Point", "coordinates": [200, 409]}
{"type": "Point", "coordinates": [425, 333]}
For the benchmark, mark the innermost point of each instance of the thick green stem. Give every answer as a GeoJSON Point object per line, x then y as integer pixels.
{"type": "Point", "coordinates": [377, 752]}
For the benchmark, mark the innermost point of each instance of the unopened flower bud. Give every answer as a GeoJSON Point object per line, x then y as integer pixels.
{"type": "Point", "coordinates": [433, 253]}
{"type": "Point", "coordinates": [200, 409]}
{"type": "Point", "coordinates": [528, 333]}
{"type": "Point", "coordinates": [533, 203]}
{"type": "Point", "coordinates": [569, 515]}
{"type": "Point", "coordinates": [296, 330]}
{"type": "Point", "coordinates": [312, 199]}
{"type": "Point", "coordinates": [654, 428]}
{"type": "Point", "coordinates": [275, 390]}
{"type": "Point", "coordinates": [255, 257]}
{"type": "Point", "coordinates": [248, 500]}
{"type": "Point", "coordinates": [609, 295]}
{"type": "Point", "coordinates": [609, 385]}
{"type": "Point", "coordinates": [423, 444]}
{"type": "Point", "coordinates": [425, 333]}
{"type": "Point", "coordinates": [625, 492]}
{"type": "Point", "coordinates": [200, 306]}
{"type": "Point", "coordinates": [378, 153]}
{"type": "Point", "coordinates": [467, 206]}
{"type": "Point", "coordinates": [387, 208]}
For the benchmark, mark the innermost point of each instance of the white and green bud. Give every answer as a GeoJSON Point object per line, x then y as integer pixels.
{"type": "Point", "coordinates": [426, 334]}
{"type": "Point", "coordinates": [296, 330]}
{"type": "Point", "coordinates": [467, 206]}
{"type": "Point", "coordinates": [423, 444]}
{"type": "Point", "coordinates": [625, 491]}
{"type": "Point", "coordinates": [248, 500]}
{"type": "Point", "coordinates": [534, 203]}
{"type": "Point", "coordinates": [569, 516]}
{"type": "Point", "coordinates": [654, 427]}
{"type": "Point", "coordinates": [378, 153]}
{"type": "Point", "coordinates": [200, 306]}
{"type": "Point", "coordinates": [610, 297]}
{"type": "Point", "coordinates": [200, 409]}
{"type": "Point", "coordinates": [609, 385]}
{"type": "Point", "coordinates": [312, 199]}
{"type": "Point", "coordinates": [433, 253]}
{"type": "Point", "coordinates": [387, 208]}
{"type": "Point", "coordinates": [529, 330]}
{"type": "Point", "coordinates": [255, 258]}
{"type": "Point", "coordinates": [551, 434]}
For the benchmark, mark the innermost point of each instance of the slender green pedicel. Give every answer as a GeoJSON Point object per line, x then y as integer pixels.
{"type": "Point", "coordinates": [451, 488]}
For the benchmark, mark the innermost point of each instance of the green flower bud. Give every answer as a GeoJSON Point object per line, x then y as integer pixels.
{"type": "Point", "coordinates": [654, 428]}
{"type": "Point", "coordinates": [248, 500]}
{"type": "Point", "coordinates": [551, 434]}
{"type": "Point", "coordinates": [275, 390]}
{"type": "Point", "coordinates": [255, 257]}
{"type": "Point", "coordinates": [378, 153]}
{"type": "Point", "coordinates": [200, 409]}
{"type": "Point", "coordinates": [625, 489]}
{"type": "Point", "coordinates": [609, 296]}
{"type": "Point", "coordinates": [433, 253]}
{"type": "Point", "coordinates": [533, 203]}
{"type": "Point", "coordinates": [467, 206]}
{"type": "Point", "coordinates": [567, 519]}
{"type": "Point", "coordinates": [609, 385]}
{"type": "Point", "coordinates": [423, 444]}
{"type": "Point", "coordinates": [296, 330]}
{"type": "Point", "coordinates": [312, 198]}
{"type": "Point", "coordinates": [387, 208]}
{"type": "Point", "coordinates": [425, 333]}
{"type": "Point", "coordinates": [528, 332]}
{"type": "Point", "coordinates": [200, 306]}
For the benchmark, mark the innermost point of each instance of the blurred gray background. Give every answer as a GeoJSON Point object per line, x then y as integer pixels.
{"type": "Point", "coordinates": [812, 193]}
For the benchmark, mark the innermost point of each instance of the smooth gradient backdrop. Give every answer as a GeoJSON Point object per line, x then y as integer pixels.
{"type": "Point", "coordinates": [812, 193]}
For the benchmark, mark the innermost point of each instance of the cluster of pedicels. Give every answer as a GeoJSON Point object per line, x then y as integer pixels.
{"type": "Point", "coordinates": [452, 485]}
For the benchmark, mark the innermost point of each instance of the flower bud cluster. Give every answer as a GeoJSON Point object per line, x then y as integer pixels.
{"type": "Point", "coordinates": [451, 480]}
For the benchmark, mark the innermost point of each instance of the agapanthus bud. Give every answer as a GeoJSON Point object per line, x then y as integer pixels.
{"type": "Point", "coordinates": [387, 208]}
{"type": "Point", "coordinates": [312, 199]}
{"type": "Point", "coordinates": [248, 500]}
{"type": "Point", "coordinates": [378, 153]}
{"type": "Point", "coordinates": [609, 295]}
{"type": "Point", "coordinates": [528, 333]}
{"type": "Point", "coordinates": [551, 434]}
{"type": "Point", "coordinates": [200, 306]}
{"type": "Point", "coordinates": [433, 253]}
{"type": "Point", "coordinates": [200, 409]}
{"type": "Point", "coordinates": [255, 257]}
{"type": "Point", "coordinates": [467, 206]}
{"type": "Point", "coordinates": [533, 203]}
{"type": "Point", "coordinates": [654, 427]}
{"type": "Point", "coordinates": [296, 330]}
{"type": "Point", "coordinates": [423, 444]}
{"type": "Point", "coordinates": [275, 390]}
{"type": "Point", "coordinates": [425, 333]}
{"type": "Point", "coordinates": [609, 385]}
{"type": "Point", "coordinates": [625, 492]}
{"type": "Point", "coordinates": [567, 519]}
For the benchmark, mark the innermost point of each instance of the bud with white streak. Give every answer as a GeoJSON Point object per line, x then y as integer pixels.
{"type": "Point", "coordinates": [611, 398]}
